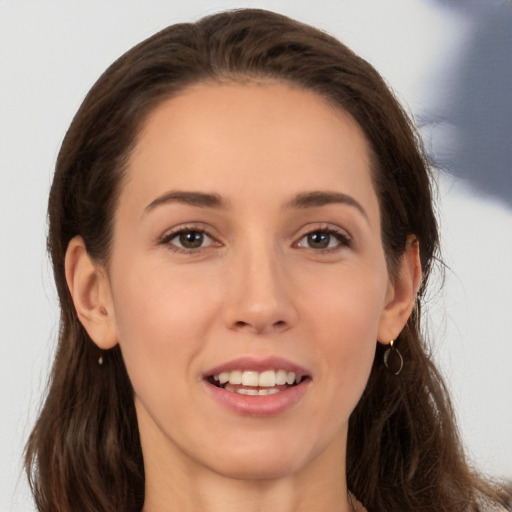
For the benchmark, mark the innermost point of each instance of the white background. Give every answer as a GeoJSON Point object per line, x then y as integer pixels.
{"type": "Point", "coordinates": [51, 52]}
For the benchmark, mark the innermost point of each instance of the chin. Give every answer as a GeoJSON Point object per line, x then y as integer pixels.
{"type": "Point", "coordinates": [261, 460]}
{"type": "Point", "coordinates": [257, 469]}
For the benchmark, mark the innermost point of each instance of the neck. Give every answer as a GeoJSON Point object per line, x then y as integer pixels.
{"type": "Point", "coordinates": [187, 486]}
{"type": "Point", "coordinates": [236, 495]}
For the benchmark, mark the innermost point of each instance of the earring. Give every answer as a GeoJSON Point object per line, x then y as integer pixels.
{"type": "Point", "coordinates": [393, 360]}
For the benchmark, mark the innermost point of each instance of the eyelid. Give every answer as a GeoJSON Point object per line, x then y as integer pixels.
{"type": "Point", "coordinates": [172, 233]}
{"type": "Point", "coordinates": [341, 234]}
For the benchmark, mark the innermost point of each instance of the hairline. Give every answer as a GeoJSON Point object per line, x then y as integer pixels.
{"type": "Point", "coordinates": [225, 78]}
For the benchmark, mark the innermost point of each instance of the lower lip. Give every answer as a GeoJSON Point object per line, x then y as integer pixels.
{"type": "Point", "coordinates": [259, 405]}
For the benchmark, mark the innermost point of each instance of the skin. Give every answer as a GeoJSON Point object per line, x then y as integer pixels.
{"type": "Point", "coordinates": [255, 287]}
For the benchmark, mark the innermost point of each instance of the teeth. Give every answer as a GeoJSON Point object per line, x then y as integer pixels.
{"type": "Point", "coordinates": [253, 392]}
{"type": "Point", "coordinates": [267, 379]}
{"type": "Point", "coordinates": [235, 377]}
{"type": "Point", "coordinates": [250, 378]}
{"type": "Point", "coordinates": [280, 377]}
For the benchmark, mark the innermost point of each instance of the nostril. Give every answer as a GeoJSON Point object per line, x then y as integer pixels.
{"type": "Point", "coordinates": [260, 326]}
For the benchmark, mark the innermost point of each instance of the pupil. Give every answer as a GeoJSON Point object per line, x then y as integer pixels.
{"type": "Point", "coordinates": [319, 240]}
{"type": "Point", "coordinates": [191, 239]}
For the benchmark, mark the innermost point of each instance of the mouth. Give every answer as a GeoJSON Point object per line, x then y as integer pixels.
{"type": "Point", "coordinates": [254, 383]}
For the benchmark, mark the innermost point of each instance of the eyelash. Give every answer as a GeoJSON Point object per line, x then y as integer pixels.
{"type": "Point", "coordinates": [167, 240]}
{"type": "Point", "coordinates": [342, 237]}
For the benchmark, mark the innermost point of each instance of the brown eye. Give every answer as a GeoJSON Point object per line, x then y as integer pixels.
{"type": "Point", "coordinates": [191, 239]}
{"type": "Point", "coordinates": [324, 239]}
{"type": "Point", "coordinates": [188, 240]}
{"type": "Point", "coordinates": [319, 240]}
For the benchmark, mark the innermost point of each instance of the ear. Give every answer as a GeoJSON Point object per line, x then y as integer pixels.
{"type": "Point", "coordinates": [90, 290]}
{"type": "Point", "coordinates": [402, 293]}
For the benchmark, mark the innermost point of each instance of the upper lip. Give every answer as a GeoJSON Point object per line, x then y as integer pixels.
{"type": "Point", "coordinates": [251, 363]}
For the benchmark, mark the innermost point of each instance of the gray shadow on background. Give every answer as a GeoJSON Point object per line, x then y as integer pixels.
{"type": "Point", "coordinates": [480, 100]}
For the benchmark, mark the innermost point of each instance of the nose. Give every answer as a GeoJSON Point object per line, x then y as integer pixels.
{"type": "Point", "coordinates": [259, 298]}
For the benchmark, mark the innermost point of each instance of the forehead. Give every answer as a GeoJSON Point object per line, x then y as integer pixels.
{"type": "Point", "coordinates": [265, 138]}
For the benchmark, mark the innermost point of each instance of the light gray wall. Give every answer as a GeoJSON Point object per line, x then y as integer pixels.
{"type": "Point", "coordinates": [446, 59]}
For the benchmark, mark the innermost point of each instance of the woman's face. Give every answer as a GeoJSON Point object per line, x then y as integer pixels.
{"type": "Point", "coordinates": [247, 247]}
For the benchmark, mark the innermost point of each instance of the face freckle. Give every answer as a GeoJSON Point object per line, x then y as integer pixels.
{"type": "Point", "coordinates": [248, 230]}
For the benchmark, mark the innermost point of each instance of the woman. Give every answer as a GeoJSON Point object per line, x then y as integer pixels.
{"type": "Point", "coordinates": [241, 228]}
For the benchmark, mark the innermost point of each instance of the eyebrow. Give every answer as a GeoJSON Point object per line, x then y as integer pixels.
{"type": "Point", "coordinates": [200, 199]}
{"type": "Point", "coordinates": [322, 198]}
{"type": "Point", "coordinates": [211, 200]}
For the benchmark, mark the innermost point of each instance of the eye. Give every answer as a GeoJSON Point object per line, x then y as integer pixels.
{"type": "Point", "coordinates": [324, 239]}
{"type": "Point", "coordinates": [188, 240]}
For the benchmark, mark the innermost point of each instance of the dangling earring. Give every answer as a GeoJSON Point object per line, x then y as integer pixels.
{"type": "Point", "coordinates": [393, 360]}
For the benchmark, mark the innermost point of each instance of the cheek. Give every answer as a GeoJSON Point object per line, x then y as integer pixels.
{"type": "Point", "coordinates": [343, 323]}
{"type": "Point", "coordinates": [161, 318]}
{"type": "Point", "coordinates": [347, 305]}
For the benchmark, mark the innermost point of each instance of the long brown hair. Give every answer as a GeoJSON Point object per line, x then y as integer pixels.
{"type": "Point", "coordinates": [84, 453]}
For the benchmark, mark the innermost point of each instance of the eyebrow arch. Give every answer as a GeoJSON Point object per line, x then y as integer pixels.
{"type": "Point", "coordinates": [200, 199]}
{"type": "Point", "coordinates": [322, 198]}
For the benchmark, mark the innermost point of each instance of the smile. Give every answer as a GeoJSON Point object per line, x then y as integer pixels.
{"type": "Point", "coordinates": [251, 386]}
{"type": "Point", "coordinates": [254, 383]}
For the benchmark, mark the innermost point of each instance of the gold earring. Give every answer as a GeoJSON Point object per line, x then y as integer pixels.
{"type": "Point", "coordinates": [393, 360]}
